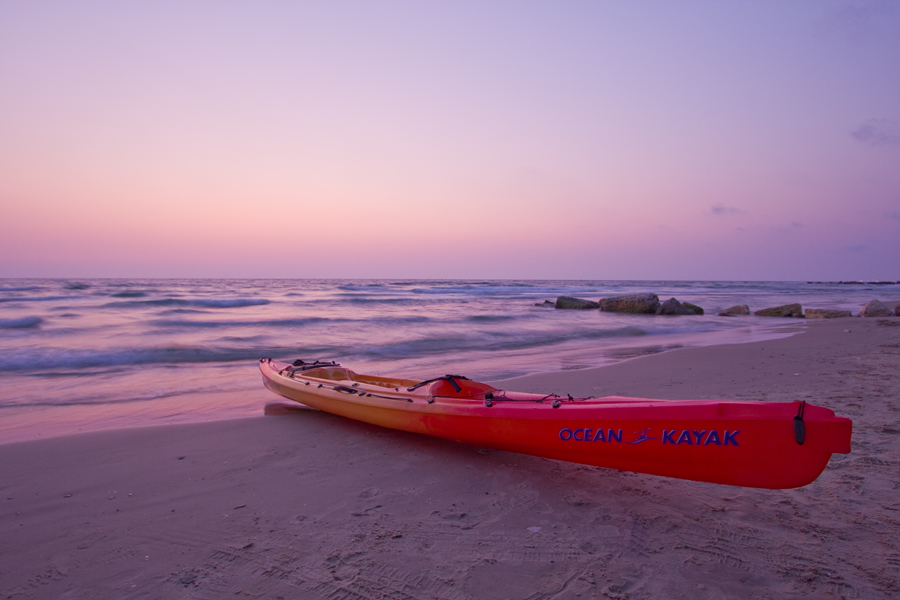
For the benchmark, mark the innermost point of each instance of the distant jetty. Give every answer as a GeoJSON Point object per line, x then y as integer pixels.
{"type": "Point", "coordinates": [648, 303]}
{"type": "Point", "coordinates": [853, 282]}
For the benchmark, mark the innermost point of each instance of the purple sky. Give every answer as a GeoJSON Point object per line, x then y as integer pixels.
{"type": "Point", "coordinates": [595, 140]}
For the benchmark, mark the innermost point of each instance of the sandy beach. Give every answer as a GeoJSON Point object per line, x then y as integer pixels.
{"type": "Point", "coordinates": [593, 204]}
{"type": "Point", "coordinates": [307, 505]}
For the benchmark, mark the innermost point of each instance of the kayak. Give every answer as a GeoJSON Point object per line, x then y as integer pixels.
{"type": "Point", "coordinates": [774, 445]}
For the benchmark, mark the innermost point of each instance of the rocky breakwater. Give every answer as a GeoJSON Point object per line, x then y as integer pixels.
{"type": "Point", "coordinates": [876, 308]}
{"type": "Point", "coordinates": [787, 310]}
{"type": "Point", "coordinates": [826, 313]}
{"type": "Point", "coordinates": [674, 307]}
{"type": "Point", "coordinates": [569, 303]}
{"type": "Point", "coordinates": [697, 310]}
{"type": "Point", "coordinates": [645, 304]}
{"type": "Point", "coordinates": [736, 311]}
{"type": "Point", "coordinates": [648, 304]}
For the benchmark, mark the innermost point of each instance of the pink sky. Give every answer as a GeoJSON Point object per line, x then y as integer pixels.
{"type": "Point", "coordinates": [595, 140]}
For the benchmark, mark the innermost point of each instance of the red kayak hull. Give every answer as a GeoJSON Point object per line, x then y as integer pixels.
{"type": "Point", "coordinates": [752, 444]}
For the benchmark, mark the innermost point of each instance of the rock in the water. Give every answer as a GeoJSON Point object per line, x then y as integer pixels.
{"type": "Point", "coordinates": [635, 303]}
{"type": "Point", "coordinates": [697, 310]}
{"type": "Point", "coordinates": [575, 303]}
{"type": "Point", "coordinates": [673, 307]}
{"type": "Point", "coordinates": [788, 310]}
{"type": "Point", "coordinates": [826, 313]}
{"type": "Point", "coordinates": [874, 308]}
{"type": "Point", "coordinates": [897, 311]}
{"type": "Point", "coordinates": [735, 311]}
{"type": "Point", "coordinates": [546, 303]}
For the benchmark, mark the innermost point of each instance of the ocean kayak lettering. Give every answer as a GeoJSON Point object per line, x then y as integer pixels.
{"type": "Point", "coordinates": [588, 435]}
{"type": "Point", "coordinates": [699, 438]}
{"type": "Point", "coordinates": [675, 437]}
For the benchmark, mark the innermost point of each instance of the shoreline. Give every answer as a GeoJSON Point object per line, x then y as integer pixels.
{"type": "Point", "coordinates": [103, 354]}
{"type": "Point", "coordinates": [311, 505]}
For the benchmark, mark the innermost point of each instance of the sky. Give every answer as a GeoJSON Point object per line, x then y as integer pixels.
{"type": "Point", "coordinates": [457, 139]}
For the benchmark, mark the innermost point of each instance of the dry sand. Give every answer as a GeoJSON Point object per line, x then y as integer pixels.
{"type": "Point", "coordinates": [308, 505]}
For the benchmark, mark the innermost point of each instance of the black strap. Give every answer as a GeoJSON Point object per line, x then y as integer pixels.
{"type": "Point", "coordinates": [306, 365]}
{"type": "Point", "coordinates": [451, 378]}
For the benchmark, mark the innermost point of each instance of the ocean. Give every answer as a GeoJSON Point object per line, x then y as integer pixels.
{"type": "Point", "coordinates": [86, 354]}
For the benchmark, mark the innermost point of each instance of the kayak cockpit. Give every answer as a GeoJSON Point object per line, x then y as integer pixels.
{"type": "Point", "coordinates": [452, 387]}
{"type": "Point", "coordinates": [337, 373]}
{"type": "Point", "coordinates": [449, 386]}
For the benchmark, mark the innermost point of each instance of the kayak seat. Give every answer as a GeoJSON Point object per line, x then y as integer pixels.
{"type": "Point", "coordinates": [333, 373]}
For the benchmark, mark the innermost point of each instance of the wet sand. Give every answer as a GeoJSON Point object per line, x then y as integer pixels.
{"type": "Point", "coordinates": [308, 505]}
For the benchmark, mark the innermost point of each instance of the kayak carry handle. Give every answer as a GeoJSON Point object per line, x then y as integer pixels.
{"type": "Point", "coordinates": [799, 425]}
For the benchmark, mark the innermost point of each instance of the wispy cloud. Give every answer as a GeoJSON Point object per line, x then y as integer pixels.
{"type": "Point", "coordinates": [720, 210]}
{"type": "Point", "coordinates": [892, 215]}
{"type": "Point", "coordinates": [878, 132]}
{"type": "Point", "coordinates": [796, 224]}
{"type": "Point", "coordinates": [855, 248]}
